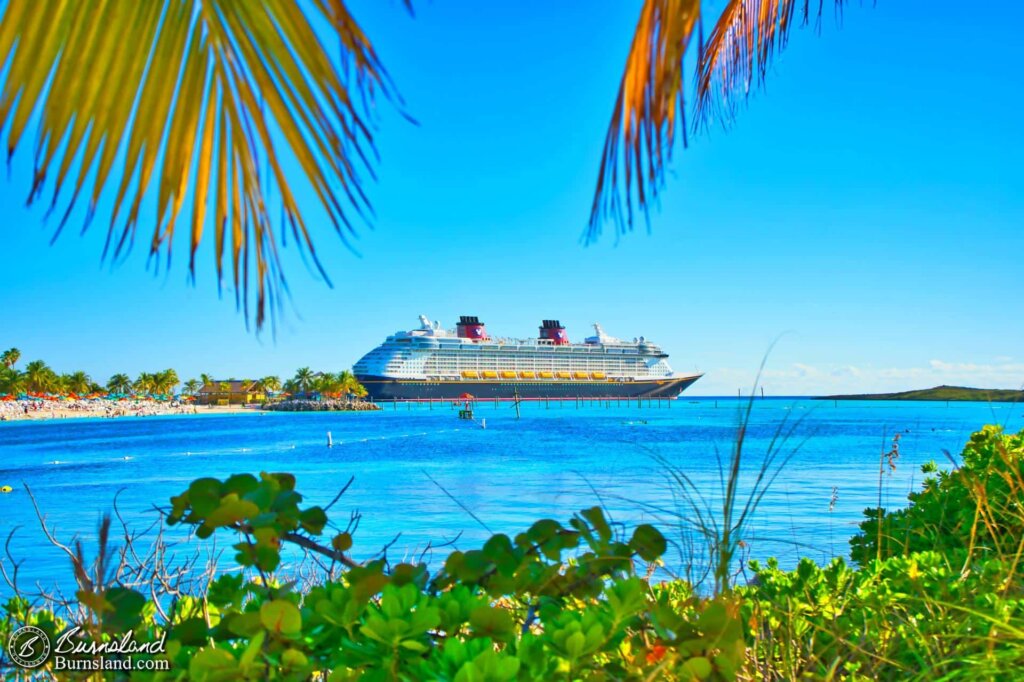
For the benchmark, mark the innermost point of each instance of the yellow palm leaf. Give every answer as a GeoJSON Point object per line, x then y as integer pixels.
{"type": "Point", "coordinates": [651, 101]}
{"type": "Point", "coordinates": [212, 97]}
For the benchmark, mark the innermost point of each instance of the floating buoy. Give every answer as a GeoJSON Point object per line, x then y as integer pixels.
{"type": "Point", "coordinates": [330, 442]}
{"type": "Point", "coordinates": [6, 489]}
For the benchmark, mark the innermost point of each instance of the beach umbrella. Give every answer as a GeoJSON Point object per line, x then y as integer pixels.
{"type": "Point", "coordinates": [466, 396]}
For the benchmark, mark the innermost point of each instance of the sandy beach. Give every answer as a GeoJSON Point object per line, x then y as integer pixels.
{"type": "Point", "coordinates": [40, 410]}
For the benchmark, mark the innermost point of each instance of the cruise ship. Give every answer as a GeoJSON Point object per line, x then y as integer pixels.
{"type": "Point", "coordinates": [431, 363]}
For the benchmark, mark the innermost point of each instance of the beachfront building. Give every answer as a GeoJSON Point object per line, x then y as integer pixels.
{"type": "Point", "coordinates": [230, 392]}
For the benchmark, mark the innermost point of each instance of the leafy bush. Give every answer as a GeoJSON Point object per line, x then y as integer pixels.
{"type": "Point", "coordinates": [938, 593]}
{"type": "Point", "coordinates": [554, 602]}
{"type": "Point", "coordinates": [939, 597]}
{"type": "Point", "coordinates": [974, 509]}
{"type": "Point", "coordinates": [892, 619]}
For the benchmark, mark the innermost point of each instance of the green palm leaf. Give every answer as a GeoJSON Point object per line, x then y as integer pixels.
{"type": "Point", "coordinates": [213, 97]}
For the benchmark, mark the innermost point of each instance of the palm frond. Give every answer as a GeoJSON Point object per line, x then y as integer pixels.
{"type": "Point", "coordinates": [739, 50]}
{"type": "Point", "coordinates": [643, 126]}
{"type": "Point", "coordinates": [729, 65]}
{"type": "Point", "coordinates": [152, 100]}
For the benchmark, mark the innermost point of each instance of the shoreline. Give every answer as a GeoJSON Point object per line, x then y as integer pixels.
{"type": "Point", "coordinates": [46, 411]}
{"type": "Point", "coordinates": [136, 409]}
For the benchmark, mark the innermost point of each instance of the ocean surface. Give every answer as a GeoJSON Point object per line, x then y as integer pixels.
{"type": "Point", "coordinates": [423, 477]}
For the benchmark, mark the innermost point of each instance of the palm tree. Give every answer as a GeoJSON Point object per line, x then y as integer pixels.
{"type": "Point", "coordinates": [268, 386]}
{"type": "Point", "coordinates": [350, 385]}
{"type": "Point", "coordinates": [303, 380]}
{"type": "Point", "coordinates": [78, 382]}
{"type": "Point", "coordinates": [144, 384]}
{"type": "Point", "coordinates": [331, 385]}
{"type": "Point", "coordinates": [119, 383]}
{"type": "Point", "coordinates": [214, 89]}
{"type": "Point", "coordinates": [165, 381]}
{"type": "Point", "coordinates": [11, 381]}
{"type": "Point", "coordinates": [358, 390]}
{"type": "Point", "coordinates": [10, 357]}
{"type": "Point", "coordinates": [39, 378]}
{"type": "Point", "coordinates": [60, 384]}
{"type": "Point", "coordinates": [206, 379]}
{"type": "Point", "coordinates": [191, 387]}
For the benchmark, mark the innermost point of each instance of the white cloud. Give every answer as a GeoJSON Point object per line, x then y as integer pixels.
{"type": "Point", "coordinates": [802, 379]}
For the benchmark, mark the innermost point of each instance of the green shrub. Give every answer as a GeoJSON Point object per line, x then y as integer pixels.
{"type": "Point", "coordinates": [974, 509]}
{"type": "Point", "coordinates": [938, 594]}
{"type": "Point", "coordinates": [939, 597]}
{"type": "Point", "coordinates": [554, 602]}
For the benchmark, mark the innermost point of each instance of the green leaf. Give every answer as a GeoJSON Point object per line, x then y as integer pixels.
{"type": "Point", "coordinates": [342, 542]}
{"type": "Point", "coordinates": [212, 663]}
{"type": "Point", "coordinates": [595, 516]}
{"type": "Point", "coordinates": [262, 495]}
{"type": "Point", "coordinates": [699, 668]}
{"type": "Point", "coordinates": [191, 631]}
{"type": "Point", "coordinates": [240, 484]}
{"type": "Point", "coordinates": [574, 644]}
{"type": "Point", "coordinates": [285, 481]}
{"type": "Point", "coordinates": [294, 659]}
{"type": "Point", "coordinates": [313, 520]}
{"type": "Point", "coordinates": [648, 542]}
{"type": "Point", "coordinates": [127, 605]}
{"type": "Point", "coordinates": [489, 621]}
{"type": "Point", "coordinates": [267, 559]}
{"type": "Point", "coordinates": [281, 617]}
{"type": "Point", "coordinates": [243, 624]}
{"type": "Point", "coordinates": [230, 511]}
{"type": "Point", "coordinates": [543, 530]}
{"type": "Point", "coordinates": [253, 650]}
{"type": "Point", "coordinates": [204, 495]}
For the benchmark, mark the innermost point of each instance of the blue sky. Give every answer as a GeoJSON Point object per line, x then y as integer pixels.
{"type": "Point", "coordinates": [867, 207]}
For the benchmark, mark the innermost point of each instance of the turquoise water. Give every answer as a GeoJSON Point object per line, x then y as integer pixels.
{"type": "Point", "coordinates": [553, 461]}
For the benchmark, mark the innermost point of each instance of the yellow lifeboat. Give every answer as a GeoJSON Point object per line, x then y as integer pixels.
{"type": "Point", "coordinates": [546, 375]}
{"type": "Point", "coordinates": [508, 375]}
{"type": "Point", "coordinates": [598, 375]}
{"type": "Point", "coordinates": [488, 374]}
{"type": "Point", "coordinates": [564, 375]}
{"type": "Point", "coordinates": [470, 374]}
{"type": "Point", "coordinates": [581, 375]}
{"type": "Point", "coordinates": [527, 375]}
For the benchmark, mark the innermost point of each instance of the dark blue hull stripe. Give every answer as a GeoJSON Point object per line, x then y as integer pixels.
{"type": "Point", "coordinates": [400, 389]}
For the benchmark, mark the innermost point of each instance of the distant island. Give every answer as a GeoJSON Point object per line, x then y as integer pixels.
{"type": "Point", "coordinates": [940, 393]}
